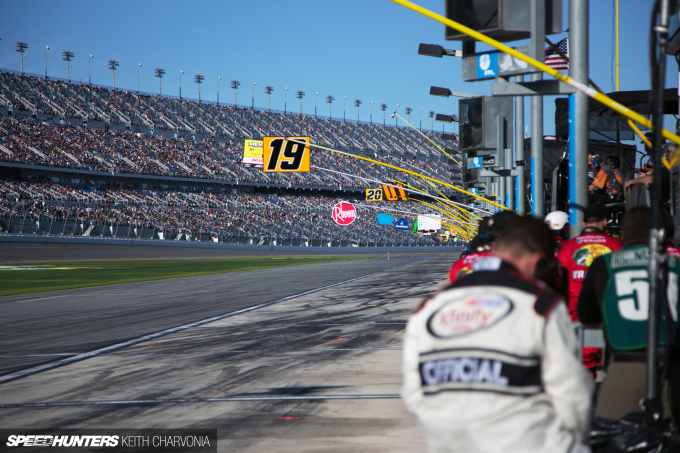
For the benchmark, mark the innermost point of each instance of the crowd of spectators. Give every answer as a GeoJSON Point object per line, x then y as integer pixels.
{"type": "Point", "coordinates": [283, 216]}
{"type": "Point", "coordinates": [77, 100]}
{"type": "Point", "coordinates": [32, 142]}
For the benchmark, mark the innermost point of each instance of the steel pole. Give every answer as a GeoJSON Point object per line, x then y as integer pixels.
{"type": "Point", "coordinates": [656, 270]}
{"type": "Point", "coordinates": [578, 116]}
{"type": "Point", "coordinates": [519, 150]}
{"type": "Point", "coordinates": [538, 53]}
{"type": "Point", "coordinates": [500, 155]}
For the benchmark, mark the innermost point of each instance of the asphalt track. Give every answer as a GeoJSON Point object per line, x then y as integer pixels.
{"type": "Point", "coordinates": [316, 372]}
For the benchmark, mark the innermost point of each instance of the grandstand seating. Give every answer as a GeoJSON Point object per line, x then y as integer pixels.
{"type": "Point", "coordinates": [32, 206]}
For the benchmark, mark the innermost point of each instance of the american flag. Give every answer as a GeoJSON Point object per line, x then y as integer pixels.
{"type": "Point", "coordinates": [553, 60]}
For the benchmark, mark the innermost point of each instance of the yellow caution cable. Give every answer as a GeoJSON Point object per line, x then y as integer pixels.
{"type": "Point", "coordinates": [590, 92]}
{"type": "Point", "coordinates": [400, 169]}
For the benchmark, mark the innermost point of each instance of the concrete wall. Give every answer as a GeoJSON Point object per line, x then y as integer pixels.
{"type": "Point", "coordinates": [28, 238]}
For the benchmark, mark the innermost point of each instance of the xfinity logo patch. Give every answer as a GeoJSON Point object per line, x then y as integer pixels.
{"type": "Point", "coordinates": [468, 314]}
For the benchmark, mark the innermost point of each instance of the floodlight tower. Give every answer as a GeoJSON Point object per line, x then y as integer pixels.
{"type": "Point", "coordinates": [300, 94]}
{"type": "Point", "coordinates": [67, 57]}
{"type": "Point", "coordinates": [383, 107]}
{"type": "Point", "coordinates": [285, 101]}
{"type": "Point", "coordinates": [357, 103]}
{"type": "Point", "coordinates": [46, 49]}
{"type": "Point", "coordinates": [180, 84]}
{"type": "Point", "coordinates": [218, 90]}
{"type": "Point", "coordinates": [329, 99]}
{"type": "Point", "coordinates": [408, 111]}
{"type": "Point", "coordinates": [431, 115]}
{"type": "Point", "coordinates": [21, 48]}
{"type": "Point", "coordinates": [89, 69]}
{"type": "Point", "coordinates": [112, 65]}
{"type": "Point", "coordinates": [421, 119]}
{"type": "Point", "coordinates": [139, 65]}
{"type": "Point", "coordinates": [234, 85]}
{"type": "Point", "coordinates": [268, 90]}
{"type": "Point", "coordinates": [372, 112]}
{"type": "Point", "coordinates": [198, 78]}
{"type": "Point", "coordinates": [343, 108]}
{"type": "Point", "coordinates": [315, 95]}
{"type": "Point", "coordinates": [253, 95]}
{"type": "Point", "coordinates": [160, 72]}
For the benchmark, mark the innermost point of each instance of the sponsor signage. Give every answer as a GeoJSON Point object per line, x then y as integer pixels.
{"type": "Point", "coordinates": [402, 224]}
{"type": "Point", "coordinates": [429, 222]}
{"type": "Point", "coordinates": [344, 213]}
{"type": "Point", "coordinates": [487, 65]}
{"type": "Point", "coordinates": [385, 219]}
{"type": "Point", "coordinates": [280, 154]}
{"type": "Point", "coordinates": [252, 153]}
{"type": "Point", "coordinates": [468, 314]}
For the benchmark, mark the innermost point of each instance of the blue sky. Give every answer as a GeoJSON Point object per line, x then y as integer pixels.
{"type": "Point", "coordinates": [360, 49]}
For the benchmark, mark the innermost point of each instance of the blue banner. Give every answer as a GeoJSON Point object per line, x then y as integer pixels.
{"type": "Point", "coordinates": [402, 224]}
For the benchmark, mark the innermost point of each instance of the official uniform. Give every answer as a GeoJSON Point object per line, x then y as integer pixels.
{"type": "Point", "coordinates": [491, 365]}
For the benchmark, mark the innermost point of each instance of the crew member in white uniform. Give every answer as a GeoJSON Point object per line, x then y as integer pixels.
{"type": "Point", "coordinates": [491, 363]}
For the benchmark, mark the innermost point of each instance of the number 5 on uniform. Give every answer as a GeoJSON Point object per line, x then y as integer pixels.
{"type": "Point", "coordinates": [283, 155]}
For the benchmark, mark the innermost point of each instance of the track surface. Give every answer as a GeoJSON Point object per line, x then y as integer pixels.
{"type": "Point", "coordinates": [272, 379]}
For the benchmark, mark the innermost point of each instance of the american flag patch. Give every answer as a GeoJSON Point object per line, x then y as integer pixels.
{"type": "Point", "coordinates": [553, 59]}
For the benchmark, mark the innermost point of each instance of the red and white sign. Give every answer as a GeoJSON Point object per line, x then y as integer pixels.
{"type": "Point", "coordinates": [344, 213]}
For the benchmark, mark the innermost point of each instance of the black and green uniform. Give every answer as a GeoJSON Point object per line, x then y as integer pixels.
{"type": "Point", "coordinates": [616, 293]}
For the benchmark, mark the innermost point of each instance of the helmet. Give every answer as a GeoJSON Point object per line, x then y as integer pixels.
{"type": "Point", "coordinates": [556, 220]}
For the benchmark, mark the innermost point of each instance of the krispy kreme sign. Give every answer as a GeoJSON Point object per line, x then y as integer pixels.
{"type": "Point", "coordinates": [344, 213]}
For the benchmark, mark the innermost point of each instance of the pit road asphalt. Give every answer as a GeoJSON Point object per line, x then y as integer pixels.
{"type": "Point", "coordinates": [320, 372]}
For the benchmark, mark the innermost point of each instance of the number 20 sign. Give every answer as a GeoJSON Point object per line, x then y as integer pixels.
{"type": "Point", "coordinates": [283, 155]}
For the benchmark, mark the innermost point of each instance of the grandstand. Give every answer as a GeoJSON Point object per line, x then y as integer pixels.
{"type": "Point", "coordinates": [104, 161]}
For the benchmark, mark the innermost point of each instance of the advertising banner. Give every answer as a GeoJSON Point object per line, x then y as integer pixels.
{"type": "Point", "coordinates": [429, 222]}
{"type": "Point", "coordinates": [252, 153]}
{"type": "Point", "coordinates": [385, 219]}
{"type": "Point", "coordinates": [344, 213]}
{"type": "Point", "coordinates": [402, 224]}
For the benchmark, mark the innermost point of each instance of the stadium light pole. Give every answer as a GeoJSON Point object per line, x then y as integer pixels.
{"type": "Point", "coordinates": [285, 102]}
{"type": "Point", "coordinates": [113, 64]}
{"type": "Point", "coordinates": [234, 84]}
{"type": "Point", "coordinates": [371, 113]}
{"type": "Point", "coordinates": [67, 57]}
{"type": "Point", "coordinates": [180, 84]}
{"type": "Point", "coordinates": [315, 95]}
{"type": "Point", "coordinates": [329, 99]}
{"type": "Point", "coordinates": [383, 107]}
{"type": "Point", "coordinates": [46, 49]}
{"type": "Point", "coordinates": [408, 111]}
{"type": "Point", "coordinates": [218, 90]}
{"type": "Point", "coordinates": [300, 94]}
{"type": "Point", "coordinates": [139, 65]}
{"type": "Point", "coordinates": [357, 103]}
{"type": "Point", "coordinates": [159, 72]}
{"type": "Point", "coordinates": [89, 69]}
{"type": "Point", "coordinates": [421, 119]}
{"type": "Point", "coordinates": [268, 90]}
{"type": "Point", "coordinates": [253, 95]}
{"type": "Point", "coordinates": [431, 115]}
{"type": "Point", "coordinates": [21, 48]}
{"type": "Point", "coordinates": [198, 78]}
{"type": "Point", "coordinates": [343, 108]}
{"type": "Point", "coordinates": [396, 118]}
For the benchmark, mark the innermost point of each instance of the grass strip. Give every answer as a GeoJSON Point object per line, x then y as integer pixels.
{"type": "Point", "coordinates": [25, 278]}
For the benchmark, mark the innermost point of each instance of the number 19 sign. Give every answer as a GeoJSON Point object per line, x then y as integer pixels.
{"type": "Point", "coordinates": [283, 155]}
